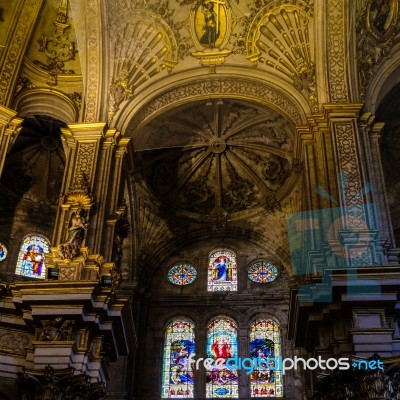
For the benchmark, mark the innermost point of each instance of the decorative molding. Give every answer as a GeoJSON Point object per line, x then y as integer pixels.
{"type": "Point", "coordinates": [94, 61]}
{"type": "Point", "coordinates": [57, 48]}
{"type": "Point", "coordinates": [14, 342]}
{"type": "Point", "coordinates": [337, 50]}
{"type": "Point", "coordinates": [377, 28]}
{"type": "Point", "coordinates": [76, 98]}
{"type": "Point", "coordinates": [15, 50]}
{"type": "Point", "coordinates": [221, 87]}
{"type": "Point", "coordinates": [23, 85]}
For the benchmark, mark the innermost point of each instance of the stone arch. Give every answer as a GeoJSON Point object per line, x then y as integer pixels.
{"type": "Point", "coordinates": [233, 83]}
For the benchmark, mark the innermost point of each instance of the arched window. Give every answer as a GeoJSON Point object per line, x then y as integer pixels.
{"type": "Point", "coordinates": [222, 272]}
{"type": "Point", "coordinates": [265, 344]}
{"type": "Point", "coordinates": [222, 343]}
{"type": "Point", "coordinates": [177, 376]}
{"type": "Point", "coordinates": [31, 257]}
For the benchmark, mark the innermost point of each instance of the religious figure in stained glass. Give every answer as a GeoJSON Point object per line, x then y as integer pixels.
{"type": "Point", "coordinates": [182, 274]}
{"type": "Point", "coordinates": [3, 251]}
{"type": "Point", "coordinates": [222, 272]}
{"type": "Point", "coordinates": [222, 343]}
{"type": "Point", "coordinates": [265, 345]}
{"type": "Point", "coordinates": [262, 272]}
{"type": "Point", "coordinates": [31, 257]}
{"type": "Point", "coordinates": [177, 376]}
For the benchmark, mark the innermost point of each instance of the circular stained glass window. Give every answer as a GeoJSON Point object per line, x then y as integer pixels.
{"type": "Point", "coordinates": [182, 274]}
{"type": "Point", "coordinates": [262, 272]}
{"type": "Point", "coordinates": [3, 251]}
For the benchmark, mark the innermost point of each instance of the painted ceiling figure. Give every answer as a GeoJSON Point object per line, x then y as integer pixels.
{"type": "Point", "coordinates": [210, 24]}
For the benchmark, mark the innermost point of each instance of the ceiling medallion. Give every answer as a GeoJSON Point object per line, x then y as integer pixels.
{"type": "Point", "coordinates": [215, 157]}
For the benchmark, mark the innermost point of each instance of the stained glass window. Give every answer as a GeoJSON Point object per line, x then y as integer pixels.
{"type": "Point", "coordinates": [177, 376]}
{"type": "Point", "coordinates": [182, 274]}
{"type": "Point", "coordinates": [265, 344]}
{"type": "Point", "coordinates": [262, 272]}
{"type": "Point", "coordinates": [222, 272]}
{"type": "Point", "coordinates": [3, 251]}
{"type": "Point", "coordinates": [31, 257]}
{"type": "Point", "coordinates": [222, 343]}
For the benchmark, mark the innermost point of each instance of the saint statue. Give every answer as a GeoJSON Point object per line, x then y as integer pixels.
{"type": "Point", "coordinates": [77, 226]}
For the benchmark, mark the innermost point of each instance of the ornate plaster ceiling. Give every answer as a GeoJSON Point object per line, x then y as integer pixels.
{"type": "Point", "coordinates": [215, 157]}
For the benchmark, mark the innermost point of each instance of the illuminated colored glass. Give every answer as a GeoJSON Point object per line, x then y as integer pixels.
{"type": "Point", "coordinates": [31, 257]}
{"type": "Point", "coordinates": [182, 274]}
{"type": "Point", "coordinates": [222, 272]}
{"type": "Point", "coordinates": [222, 343]}
{"type": "Point", "coordinates": [3, 251]}
{"type": "Point", "coordinates": [265, 343]}
{"type": "Point", "coordinates": [177, 376]}
{"type": "Point", "coordinates": [262, 272]}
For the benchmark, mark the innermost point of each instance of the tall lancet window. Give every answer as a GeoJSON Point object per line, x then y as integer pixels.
{"type": "Point", "coordinates": [31, 257]}
{"type": "Point", "coordinates": [265, 345]}
{"type": "Point", "coordinates": [222, 272]}
{"type": "Point", "coordinates": [177, 375]}
{"type": "Point", "coordinates": [222, 343]}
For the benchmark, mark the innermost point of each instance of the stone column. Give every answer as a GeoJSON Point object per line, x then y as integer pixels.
{"type": "Point", "coordinates": [89, 192]}
{"type": "Point", "coordinates": [10, 126]}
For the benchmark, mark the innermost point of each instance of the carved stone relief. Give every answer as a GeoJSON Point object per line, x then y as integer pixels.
{"type": "Point", "coordinates": [377, 29]}
{"type": "Point", "coordinates": [14, 342]}
{"type": "Point", "coordinates": [337, 51]}
{"type": "Point", "coordinates": [57, 47]}
{"type": "Point", "coordinates": [281, 39]}
{"type": "Point", "coordinates": [142, 46]}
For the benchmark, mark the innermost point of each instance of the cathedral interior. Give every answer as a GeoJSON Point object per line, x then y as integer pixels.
{"type": "Point", "coordinates": [188, 180]}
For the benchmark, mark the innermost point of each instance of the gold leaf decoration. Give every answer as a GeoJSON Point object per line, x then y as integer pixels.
{"type": "Point", "coordinates": [280, 39]}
